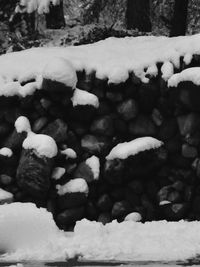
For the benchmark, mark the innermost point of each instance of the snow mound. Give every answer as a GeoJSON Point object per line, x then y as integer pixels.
{"type": "Point", "coordinates": [94, 164]}
{"type": "Point", "coordinates": [70, 153]}
{"type": "Point", "coordinates": [42, 6]}
{"type": "Point", "coordinates": [6, 152]}
{"type": "Point", "coordinates": [82, 97]}
{"type": "Point", "coordinates": [60, 70]}
{"type": "Point", "coordinates": [22, 124]}
{"type": "Point", "coordinates": [190, 75]}
{"type": "Point", "coordinates": [42, 144]}
{"type": "Point", "coordinates": [73, 186]}
{"type": "Point", "coordinates": [134, 217]}
{"type": "Point", "coordinates": [126, 149]}
{"type": "Point", "coordinates": [57, 173]}
{"type": "Point", "coordinates": [23, 225]}
{"type": "Point", "coordinates": [122, 56]}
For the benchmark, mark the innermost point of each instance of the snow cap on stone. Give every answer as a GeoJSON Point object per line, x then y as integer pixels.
{"type": "Point", "coordinates": [81, 97]}
{"type": "Point", "coordinates": [6, 152]}
{"type": "Point", "coordinates": [133, 217]}
{"type": "Point", "coordinates": [57, 173]}
{"type": "Point", "coordinates": [94, 164]}
{"type": "Point", "coordinates": [22, 124]}
{"type": "Point", "coordinates": [73, 186]}
{"type": "Point", "coordinates": [126, 149]}
{"type": "Point", "coordinates": [42, 144]}
{"type": "Point", "coordinates": [60, 70]}
{"type": "Point", "coordinates": [69, 153]}
{"type": "Point", "coordinates": [190, 75]}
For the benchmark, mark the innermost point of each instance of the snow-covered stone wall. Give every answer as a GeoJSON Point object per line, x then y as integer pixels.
{"type": "Point", "coordinates": [104, 131]}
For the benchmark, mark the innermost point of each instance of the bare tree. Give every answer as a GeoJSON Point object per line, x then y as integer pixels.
{"type": "Point", "coordinates": [138, 15]}
{"type": "Point", "coordinates": [179, 21]}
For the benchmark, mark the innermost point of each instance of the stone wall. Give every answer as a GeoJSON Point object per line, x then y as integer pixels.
{"type": "Point", "coordinates": [161, 183]}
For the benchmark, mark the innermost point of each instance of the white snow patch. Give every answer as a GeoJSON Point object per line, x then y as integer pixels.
{"type": "Point", "coordinates": [57, 173]}
{"type": "Point", "coordinates": [152, 71]}
{"type": "Point", "coordinates": [30, 233]}
{"type": "Point", "coordinates": [17, 265]}
{"type": "Point", "coordinates": [42, 144]}
{"type": "Point", "coordinates": [126, 149]}
{"type": "Point", "coordinates": [4, 195]}
{"type": "Point", "coordinates": [73, 186]}
{"type": "Point", "coordinates": [133, 217]}
{"type": "Point", "coordinates": [81, 97]}
{"type": "Point", "coordinates": [94, 164]}
{"type": "Point", "coordinates": [22, 124]}
{"type": "Point", "coordinates": [70, 153]}
{"type": "Point", "coordinates": [122, 56]}
{"type": "Point", "coordinates": [60, 70]}
{"type": "Point", "coordinates": [6, 152]}
{"type": "Point", "coordinates": [191, 75]}
{"type": "Point", "coordinates": [164, 202]}
{"type": "Point", "coordinates": [167, 70]}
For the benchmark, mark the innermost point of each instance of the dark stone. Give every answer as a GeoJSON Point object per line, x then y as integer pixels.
{"type": "Point", "coordinates": [39, 124]}
{"type": "Point", "coordinates": [114, 96]}
{"type": "Point", "coordinates": [121, 209]}
{"type": "Point", "coordinates": [132, 198]}
{"type": "Point", "coordinates": [79, 128]}
{"type": "Point", "coordinates": [148, 94]}
{"type": "Point", "coordinates": [104, 203]}
{"type": "Point", "coordinates": [5, 179]}
{"type": "Point", "coordinates": [5, 129]}
{"type": "Point", "coordinates": [189, 124]}
{"type": "Point", "coordinates": [103, 126]}
{"type": "Point", "coordinates": [157, 117]}
{"type": "Point", "coordinates": [57, 130]}
{"type": "Point", "coordinates": [128, 109]}
{"type": "Point", "coordinates": [118, 193]}
{"type": "Point", "coordinates": [71, 200]}
{"type": "Point", "coordinates": [189, 151]}
{"type": "Point", "coordinates": [114, 171]}
{"type": "Point", "coordinates": [168, 129]}
{"type": "Point", "coordinates": [91, 211]}
{"type": "Point", "coordinates": [174, 145]}
{"type": "Point", "coordinates": [70, 216]}
{"type": "Point", "coordinates": [142, 126]}
{"type": "Point", "coordinates": [85, 172]}
{"type": "Point", "coordinates": [15, 140]}
{"type": "Point", "coordinates": [196, 205]}
{"type": "Point", "coordinates": [136, 187]}
{"type": "Point", "coordinates": [95, 145]}
{"type": "Point", "coordinates": [33, 174]}
{"type": "Point", "coordinates": [82, 113]}
{"type": "Point", "coordinates": [104, 108]}
{"type": "Point", "coordinates": [104, 218]}
{"type": "Point", "coordinates": [174, 212]}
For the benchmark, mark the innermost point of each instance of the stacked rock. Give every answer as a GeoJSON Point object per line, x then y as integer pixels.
{"type": "Point", "coordinates": [128, 151]}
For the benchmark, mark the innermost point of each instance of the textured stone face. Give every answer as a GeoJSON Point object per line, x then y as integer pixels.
{"type": "Point", "coordinates": [33, 174]}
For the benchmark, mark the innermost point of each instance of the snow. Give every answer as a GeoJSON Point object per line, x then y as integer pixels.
{"type": "Point", "coordinates": [30, 233]}
{"type": "Point", "coordinates": [70, 153]}
{"type": "Point", "coordinates": [191, 75]}
{"type": "Point", "coordinates": [25, 227]}
{"type": "Point", "coordinates": [57, 173]}
{"type": "Point", "coordinates": [42, 6]}
{"type": "Point", "coordinates": [126, 149]}
{"type": "Point", "coordinates": [6, 152]}
{"type": "Point", "coordinates": [94, 164]}
{"type": "Point", "coordinates": [5, 195]}
{"type": "Point", "coordinates": [133, 217]}
{"type": "Point", "coordinates": [17, 265]}
{"type": "Point", "coordinates": [62, 71]}
{"type": "Point", "coordinates": [42, 144]}
{"type": "Point", "coordinates": [167, 70]}
{"type": "Point", "coordinates": [113, 59]}
{"type": "Point", "coordinates": [22, 124]}
{"type": "Point", "coordinates": [73, 186]}
{"type": "Point", "coordinates": [82, 97]}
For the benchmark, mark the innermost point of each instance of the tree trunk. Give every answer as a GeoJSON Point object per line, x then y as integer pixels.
{"type": "Point", "coordinates": [55, 17]}
{"type": "Point", "coordinates": [179, 21]}
{"type": "Point", "coordinates": [138, 15]}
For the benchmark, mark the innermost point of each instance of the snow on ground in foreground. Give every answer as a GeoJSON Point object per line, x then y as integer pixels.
{"type": "Point", "coordinates": [31, 234]}
{"type": "Point", "coordinates": [126, 149]}
{"type": "Point", "coordinates": [112, 59]}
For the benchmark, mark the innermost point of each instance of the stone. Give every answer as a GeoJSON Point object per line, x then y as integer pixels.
{"type": "Point", "coordinates": [132, 198]}
{"type": "Point", "coordinates": [148, 94]}
{"type": "Point", "coordinates": [5, 129]}
{"type": "Point", "coordinates": [120, 209]}
{"type": "Point", "coordinates": [136, 187]}
{"type": "Point", "coordinates": [5, 179]}
{"type": "Point", "coordinates": [189, 151]}
{"type": "Point", "coordinates": [157, 117]}
{"type": "Point", "coordinates": [91, 211]}
{"type": "Point", "coordinates": [70, 216]}
{"type": "Point", "coordinates": [71, 200]}
{"type": "Point", "coordinates": [79, 128]}
{"type": "Point", "coordinates": [104, 108]}
{"type": "Point", "coordinates": [196, 205]}
{"type": "Point", "coordinates": [114, 96]}
{"type": "Point", "coordinates": [103, 126]}
{"type": "Point", "coordinates": [33, 174]}
{"type": "Point", "coordinates": [95, 144]}
{"type": "Point", "coordinates": [189, 95]}
{"type": "Point", "coordinates": [120, 126]}
{"type": "Point", "coordinates": [118, 193]}
{"type": "Point", "coordinates": [57, 130]}
{"type": "Point", "coordinates": [114, 171]}
{"type": "Point", "coordinates": [168, 129]}
{"type": "Point", "coordinates": [39, 124]}
{"type": "Point", "coordinates": [5, 197]}
{"type": "Point", "coordinates": [174, 212]}
{"type": "Point", "coordinates": [174, 145]}
{"type": "Point", "coordinates": [189, 124]}
{"type": "Point", "coordinates": [128, 109]}
{"type": "Point", "coordinates": [104, 203]}
{"type": "Point", "coordinates": [82, 113]}
{"type": "Point", "coordinates": [104, 218]}
{"type": "Point", "coordinates": [14, 140]}
{"type": "Point", "coordinates": [85, 172]}
{"type": "Point", "coordinates": [142, 126]}
{"type": "Point", "coordinates": [179, 186]}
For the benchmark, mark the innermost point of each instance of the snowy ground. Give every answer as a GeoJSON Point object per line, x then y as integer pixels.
{"type": "Point", "coordinates": [28, 234]}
